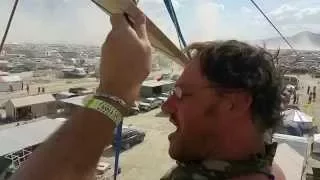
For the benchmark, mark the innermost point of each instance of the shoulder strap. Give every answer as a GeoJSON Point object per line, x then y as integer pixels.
{"type": "Point", "coordinates": [220, 170]}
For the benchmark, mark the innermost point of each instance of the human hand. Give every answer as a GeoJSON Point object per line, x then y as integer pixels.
{"type": "Point", "coordinates": [125, 56]}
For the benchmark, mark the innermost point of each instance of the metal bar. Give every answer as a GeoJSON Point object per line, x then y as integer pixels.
{"type": "Point", "coordinates": [157, 38]}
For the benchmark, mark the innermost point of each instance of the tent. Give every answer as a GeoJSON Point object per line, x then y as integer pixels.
{"type": "Point", "coordinates": [293, 116]}
{"type": "Point", "coordinates": [10, 83]}
{"type": "Point", "coordinates": [297, 116]}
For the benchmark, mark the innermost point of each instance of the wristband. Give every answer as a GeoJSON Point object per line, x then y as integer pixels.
{"type": "Point", "coordinates": [114, 98]}
{"type": "Point", "coordinates": [105, 108]}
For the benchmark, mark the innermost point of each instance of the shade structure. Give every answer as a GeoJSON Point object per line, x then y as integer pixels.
{"type": "Point", "coordinates": [295, 116]}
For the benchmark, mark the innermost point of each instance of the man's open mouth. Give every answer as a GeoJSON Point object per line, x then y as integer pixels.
{"type": "Point", "coordinates": [176, 124]}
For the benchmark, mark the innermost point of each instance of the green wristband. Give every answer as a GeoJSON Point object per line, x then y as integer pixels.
{"type": "Point", "coordinates": [105, 108]}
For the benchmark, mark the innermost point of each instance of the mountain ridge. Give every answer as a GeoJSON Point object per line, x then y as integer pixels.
{"type": "Point", "coordinates": [305, 40]}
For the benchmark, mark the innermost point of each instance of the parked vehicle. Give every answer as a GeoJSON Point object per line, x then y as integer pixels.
{"type": "Point", "coordinates": [167, 94]}
{"type": "Point", "coordinates": [80, 91]}
{"type": "Point", "coordinates": [105, 171]}
{"type": "Point", "coordinates": [150, 103]}
{"type": "Point", "coordinates": [166, 76]}
{"type": "Point", "coordinates": [175, 77]}
{"type": "Point", "coordinates": [144, 106]}
{"type": "Point", "coordinates": [154, 102]}
{"type": "Point", "coordinates": [130, 137]}
{"type": "Point", "coordinates": [163, 98]}
{"type": "Point", "coordinates": [64, 95]}
{"type": "Point", "coordinates": [134, 111]}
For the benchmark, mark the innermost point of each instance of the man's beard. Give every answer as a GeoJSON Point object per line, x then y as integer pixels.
{"type": "Point", "coordinates": [195, 149]}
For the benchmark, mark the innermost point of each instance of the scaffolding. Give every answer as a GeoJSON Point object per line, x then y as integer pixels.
{"type": "Point", "coordinates": [17, 158]}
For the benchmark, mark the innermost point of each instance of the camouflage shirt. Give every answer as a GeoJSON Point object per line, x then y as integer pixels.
{"type": "Point", "coordinates": [219, 170]}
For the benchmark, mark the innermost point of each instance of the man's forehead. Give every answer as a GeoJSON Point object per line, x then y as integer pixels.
{"type": "Point", "coordinates": [192, 75]}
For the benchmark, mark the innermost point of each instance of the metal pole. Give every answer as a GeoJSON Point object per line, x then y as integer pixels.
{"type": "Point", "coordinates": [8, 25]}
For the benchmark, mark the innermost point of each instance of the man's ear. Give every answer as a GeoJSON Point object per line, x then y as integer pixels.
{"type": "Point", "coordinates": [240, 102]}
{"type": "Point", "coordinates": [226, 102]}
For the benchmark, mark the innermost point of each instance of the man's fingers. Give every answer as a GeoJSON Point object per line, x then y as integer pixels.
{"type": "Point", "coordinates": [118, 20]}
{"type": "Point", "coordinates": [139, 20]}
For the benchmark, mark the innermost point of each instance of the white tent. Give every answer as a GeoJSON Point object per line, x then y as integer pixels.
{"type": "Point", "coordinates": [8, 82]}
{"type": "Point", "coordinates": [303, 119]}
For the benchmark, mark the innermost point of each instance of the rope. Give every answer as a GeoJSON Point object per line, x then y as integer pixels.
{"type": "Point", "coordinates": [118, 149]}
{"type": "Point", "coordinates": [274, 26]}
{"type": "Point", "coordinates": [175, 21]}
{"type": "Point", "coordinates": [8, 25]}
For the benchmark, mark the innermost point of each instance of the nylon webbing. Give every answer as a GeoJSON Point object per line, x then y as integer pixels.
{"type": "Point", "coordinates": [175, 21]}
{"type": "Point", "coordinates": [118, 149]}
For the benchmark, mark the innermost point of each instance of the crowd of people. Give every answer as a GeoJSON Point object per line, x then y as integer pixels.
{"type": "Point", "coordinates": [311, 94]}
{"type": "Point", "coordinates": [290, 94]}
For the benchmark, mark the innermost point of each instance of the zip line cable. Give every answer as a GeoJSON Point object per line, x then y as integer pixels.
{"type": "Point", "coordinates": [175, 21]}
{"type": "Point", "coordinates": [274, 26]}
{"type": "Point", "coordinates": [8, 25]}
{"type": "Point", "coordinates": [118, 150]}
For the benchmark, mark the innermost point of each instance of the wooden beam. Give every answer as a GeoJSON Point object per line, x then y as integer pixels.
{"type": "Point", "coordinates": [157, 38]}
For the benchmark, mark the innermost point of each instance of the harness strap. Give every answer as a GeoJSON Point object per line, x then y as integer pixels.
{"type": "Point", "coordinates": [118, 149]}
{"type": "Point", "coordinates": [220, 170]}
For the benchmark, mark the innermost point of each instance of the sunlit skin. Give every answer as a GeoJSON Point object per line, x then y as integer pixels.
{"type": "Point", "coordinates": [211, 125]}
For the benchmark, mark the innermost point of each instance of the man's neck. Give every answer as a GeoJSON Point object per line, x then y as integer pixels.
{"type": "Point", "coordinates": [241, 144]}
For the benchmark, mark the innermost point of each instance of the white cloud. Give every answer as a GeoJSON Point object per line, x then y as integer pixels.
{"type": "Point", "coordinates": [80, 21]}
{"type": "Point", "coordinates": [216, 5]}
{"type": "Point", "coordinates": [157, 12]}
{"type": "Point", "coordinates": [289, 18]}
{"type": "Point", "coordinates": [283, 9]}
{"type": "Point", "coordinates": [293, 16]}
{"type": "Point", "coordinates": [206, 15]}
{"type": "Point", "coordinates": [288, 14]}
{"type": "Point", "coordinates": [307, 12]}
{"type": "Point", "coordinates": [177, 4]}
{"type": "Point", "coordinates": [72, 21]}
{"type": "Point", "coordinates": [245, 9]}
{"type": "Point", "coordinates": [154, 3]}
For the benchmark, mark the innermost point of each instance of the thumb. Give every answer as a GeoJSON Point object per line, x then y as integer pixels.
{"type": "Point", "coordinates": [118, 20]}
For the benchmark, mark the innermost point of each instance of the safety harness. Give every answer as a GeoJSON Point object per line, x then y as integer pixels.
{"type": "Point", "coordinates": [220, 170]}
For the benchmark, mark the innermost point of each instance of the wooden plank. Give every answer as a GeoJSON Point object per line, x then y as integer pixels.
{"type": "Point", "coordinates": [157, 38]}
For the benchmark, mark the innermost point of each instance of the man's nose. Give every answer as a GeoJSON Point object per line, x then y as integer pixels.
{"type": "Point", "coordinates": [169, 106]}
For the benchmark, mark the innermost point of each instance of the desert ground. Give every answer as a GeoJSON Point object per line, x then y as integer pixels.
{"type": "Point", "coordinates": [150, 159]}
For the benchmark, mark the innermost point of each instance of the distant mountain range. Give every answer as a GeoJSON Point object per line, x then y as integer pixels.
{"type": "Point", "coordinates": [302, 41]}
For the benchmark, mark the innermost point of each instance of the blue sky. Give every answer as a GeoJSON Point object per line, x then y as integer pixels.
{"type": "Point", "coordinates": [80, 21]}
